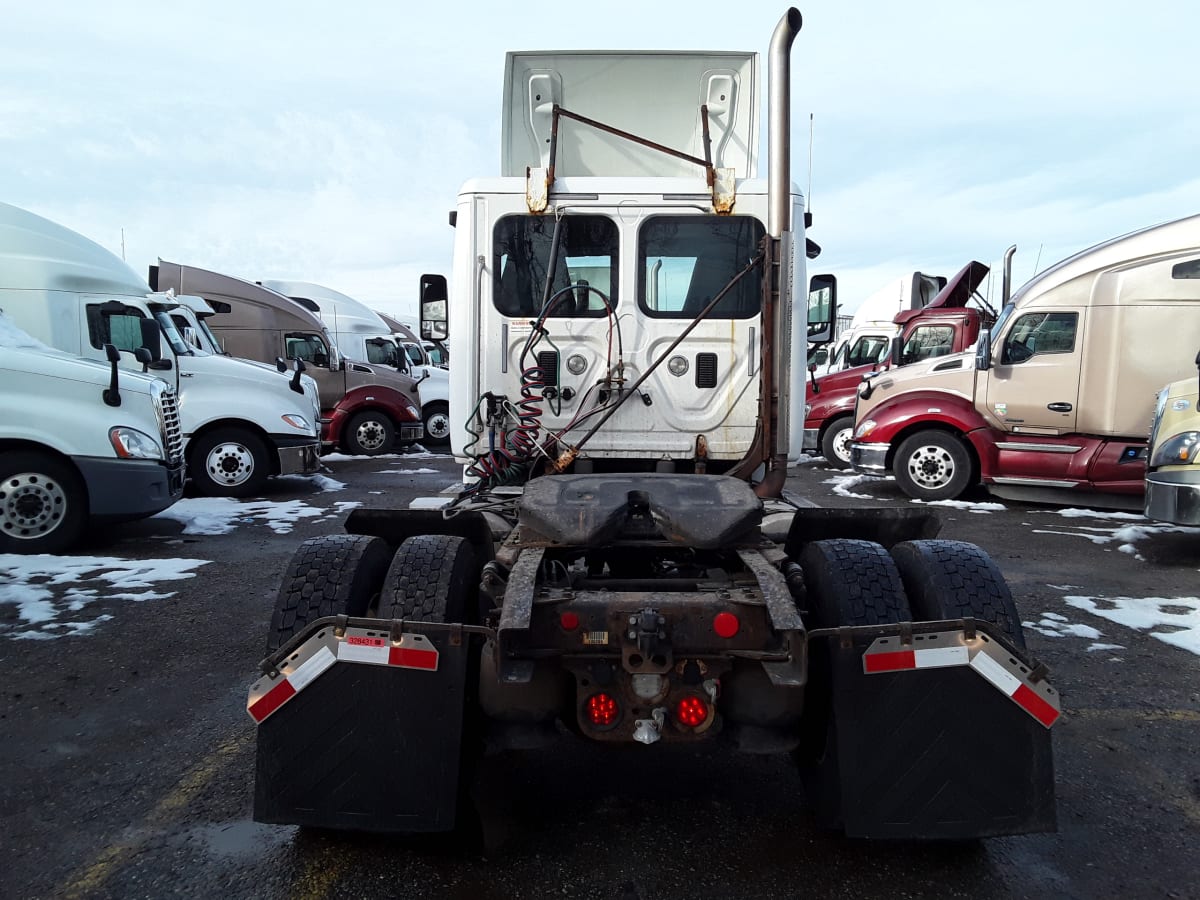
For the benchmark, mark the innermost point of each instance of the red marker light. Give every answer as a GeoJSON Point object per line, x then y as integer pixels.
{"type": "Point", "coordinates": [568, 621]}
{"type": "Point", "coordinates": [726, 624]}
{"type": "Point", "coordinates": [692, 711]}
{"type": "Point", "coordinates": [602, 709]}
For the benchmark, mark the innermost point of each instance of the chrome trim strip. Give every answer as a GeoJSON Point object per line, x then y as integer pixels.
{"type": "Point", "coordinates": [1038, 448]}
{"type": "Point", "coordinates": [1036, 482]}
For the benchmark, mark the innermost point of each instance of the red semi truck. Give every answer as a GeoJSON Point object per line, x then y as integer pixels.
{"type": "Point", "coordinates": [946, 325]}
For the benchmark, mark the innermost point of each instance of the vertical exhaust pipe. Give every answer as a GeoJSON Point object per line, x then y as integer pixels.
{"type": "Point", "coordinates": [1006, 288]}
{"type": "Point", "coordinates": [777, 332]}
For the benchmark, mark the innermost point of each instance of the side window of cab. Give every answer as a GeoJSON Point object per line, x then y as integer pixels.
{"type": "Point", "coordinates": [1038, 333]}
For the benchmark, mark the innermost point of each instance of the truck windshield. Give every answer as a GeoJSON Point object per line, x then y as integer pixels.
{"type": "Point", "coordinates": [685, 261]}
{"type": "Point", "coordinates": [171, 333]}
{"type": "Point", "coordinates": [587, 257]}
{"type": "Point", "coordinates": [1005, 315]}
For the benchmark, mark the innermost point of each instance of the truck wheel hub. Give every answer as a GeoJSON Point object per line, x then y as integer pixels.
{"type": "Point", "coordinates": [230, 464]}
{"type": "Point", "coordinates": [931, 466]}
{"type": "Point", "coordinates": [438, 425]}
{"type": "Point", "coordinates": [30, 505]}
{"type": "Point", "coordinates": [370, 435]}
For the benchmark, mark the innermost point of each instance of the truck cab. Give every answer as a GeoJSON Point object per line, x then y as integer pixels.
{"type": "Point", "coordinates": [240, 425]}
{"type": "Point", "coordinates": [365, 408]}
{"type": "Point", "coordinates": [944, 325]}
{"type": "Point", "coordinates": [1053, 402]}
{"type": "Point", "coordinates": [81, 443]}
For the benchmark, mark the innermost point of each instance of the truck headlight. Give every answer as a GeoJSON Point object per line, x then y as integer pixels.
{"type": "Point", "coordinates": [1178, 450]}
{"type": "Point", "coordinates": [414, 412]}
{"type": "Point", "coordinates": [865, 428]}
{"type": "Point", "coordinates": [133, 444]}
{"type": "Point", "coordinates": [297, 421]}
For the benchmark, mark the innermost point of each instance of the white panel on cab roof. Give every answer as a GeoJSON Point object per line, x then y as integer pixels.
{"type": "Point", "coordinates": [654, 95]}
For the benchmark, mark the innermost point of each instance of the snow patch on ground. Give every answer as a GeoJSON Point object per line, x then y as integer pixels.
{"type": "Point", "coordinates": [805, 459]}
{"type": "Point", "coordinates": [1172, 620]}
{"type": "Point", "coordinates": [1052, 625]}
{"type": "Point", "coordinates": [320, 482]}
{"type": "Point", "coordinates": [843, 483]}
{"type": "Point", "coordinates": [965, 504]}
{"type": "Point", "coordinates": [1125, 536]}
{"type": "Point", "coordinates": [27, 584]}
{"type": "Point", "coordinates": [409, 472]}
{"type": "Point", "coordinates": [220, 515]}
{"type": "Point", "coordinates": [1076, 513]}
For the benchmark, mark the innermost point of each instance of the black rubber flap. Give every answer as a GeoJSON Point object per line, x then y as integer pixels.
{"type": "Point", "coordinates": [705, 511]}
{"type": "Point", "coordinates": [883, 525]}
{"type": "Point", "coordinates": [366, 747]}
{"type": "Point", "coordinates": [937, 754]}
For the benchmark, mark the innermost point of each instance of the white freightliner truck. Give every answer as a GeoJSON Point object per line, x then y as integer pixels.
{"type": "Point", "coordinates": [240, 424]}
{"type": "Point", "coordinates": [80, 443]}
{"type": "Point", "coordinates": [362, 334]}
{"type": "Point", "coordinates": [622, 328]}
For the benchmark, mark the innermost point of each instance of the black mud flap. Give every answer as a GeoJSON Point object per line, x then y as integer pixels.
{"type": "Point", "coordinates": [365, 745]}
{"type": "Point", "coordinates": [954, 746]}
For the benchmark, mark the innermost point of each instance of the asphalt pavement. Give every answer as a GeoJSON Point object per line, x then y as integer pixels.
{"type": "Point", "coordinates": [126, 765]}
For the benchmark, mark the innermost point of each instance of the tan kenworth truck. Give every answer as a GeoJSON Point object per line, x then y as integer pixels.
{"type": "Point", "coordinates": [1056, 400]}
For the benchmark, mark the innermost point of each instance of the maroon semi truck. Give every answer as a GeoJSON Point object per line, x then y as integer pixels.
{"type": "Point", "coordinates": [946, 325]}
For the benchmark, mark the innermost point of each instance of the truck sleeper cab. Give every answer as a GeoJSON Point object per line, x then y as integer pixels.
{"type": "Point", "coordinates": [1055, 399]}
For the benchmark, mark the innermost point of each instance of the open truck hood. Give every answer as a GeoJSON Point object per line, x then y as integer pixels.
{"type": "Point", "coordinates": [955, 295]}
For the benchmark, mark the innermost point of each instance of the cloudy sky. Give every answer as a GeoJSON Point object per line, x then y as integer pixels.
{"type": "Point", "coordinates": [326, 141]}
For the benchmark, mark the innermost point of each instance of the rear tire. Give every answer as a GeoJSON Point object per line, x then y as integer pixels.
{"type": "Point", "coordinates": [847, 582]}
{"type": "Point", "coordinates": [334, 575]}
{"type": "Point", "coordinates": [835, 442]}
{"type": "Point", "coordinates": [432, 578]}
{"type": "Point", "coordinates": [933, 465]}
{"type": "Point", "coordinates": [954, 580]}
{"type": "Point", "coordinates": [369, 433]}
{"type": "Point", "coordinates": [228, 462]}
{"type": "Point", "coordinates": [43, 504]}
{"type": "Point", "coordinates": [435, 578]}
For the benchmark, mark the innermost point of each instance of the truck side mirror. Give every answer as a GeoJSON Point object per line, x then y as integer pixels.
{"type": "Point", "coordinates": [112, 394]}
{"type": "Point", "coordinates": [983, 351]}
{"type": "Point", "coordinates": [822, 309]}
{"type": "Point", "coordinates": [897, 352]}
{"type": "Point", "coordinates": [435, 324]}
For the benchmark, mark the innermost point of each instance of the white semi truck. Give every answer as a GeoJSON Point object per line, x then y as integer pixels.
{"type": "Point", "coordinates": [241, 424]}
{"type": "Point", "coordinates": [623, 337]}
{"type": "Point", "coordinates": [81, 443]}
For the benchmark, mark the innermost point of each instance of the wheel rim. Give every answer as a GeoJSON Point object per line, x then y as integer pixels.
{"type": "Point", "coordinates": [31, 505]}
{"type": "Point", "coordinates": [841, 444]}
{"type": "Point", "coordinates": [230, 464]}
{"type": "Point", "coordinates": [438, 425]}
{"type": "Point", "coordinates": [931, 467]}
{"type": "Point", "coordinates": [370, 435]}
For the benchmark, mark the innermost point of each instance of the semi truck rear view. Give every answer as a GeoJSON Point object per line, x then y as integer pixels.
{"type": "Point", "coordinates": [624, 338]}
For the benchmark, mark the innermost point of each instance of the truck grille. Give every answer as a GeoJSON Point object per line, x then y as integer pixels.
{"type": "Point", "coordinates": [167, 405]}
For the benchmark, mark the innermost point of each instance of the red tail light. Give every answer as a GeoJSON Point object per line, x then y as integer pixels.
{"type": "Point", "coordinates": [568, 621]}
{"type": "Point", "coordinates": [726, 624]}
{"type": "Point", "coordinates": [692, 711]}
{"type": "Point", "coordinates": [602, 710]}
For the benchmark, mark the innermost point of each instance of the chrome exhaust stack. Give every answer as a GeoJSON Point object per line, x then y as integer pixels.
{"type": "Point", "coordinates": [777, 332]}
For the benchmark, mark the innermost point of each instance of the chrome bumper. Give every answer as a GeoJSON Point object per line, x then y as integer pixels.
{"type": "Point", "coordinates": [810, 439]}
{"type": "Point", "coordinates": [870, 459]}
{"type": "Point", "coordinates": [302, 460]}
{"type": "Point", "coordinates": [1173, 496]}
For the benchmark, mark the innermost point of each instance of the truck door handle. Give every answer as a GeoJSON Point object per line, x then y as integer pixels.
{"type": "Point", "coordinates": [1058, 407]}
